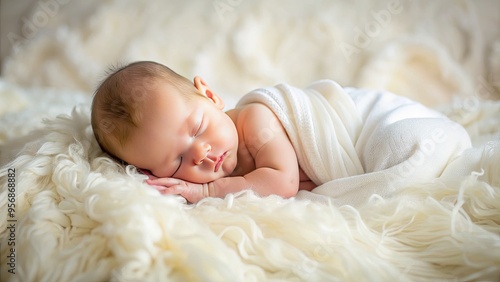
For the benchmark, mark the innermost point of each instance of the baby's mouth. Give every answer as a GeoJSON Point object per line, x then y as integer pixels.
{"type": "Point", "coordinates": [220, 160]}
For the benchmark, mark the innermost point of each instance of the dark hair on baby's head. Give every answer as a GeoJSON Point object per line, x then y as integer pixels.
{"type": "Point", "coordinates": [118, 101]}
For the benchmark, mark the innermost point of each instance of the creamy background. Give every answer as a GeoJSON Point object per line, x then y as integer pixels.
{"type": "Point", "coordinates": [427, 50]}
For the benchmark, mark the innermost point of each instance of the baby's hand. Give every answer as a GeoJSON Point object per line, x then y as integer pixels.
{"type": "Point", "coordinates": [192, 192]}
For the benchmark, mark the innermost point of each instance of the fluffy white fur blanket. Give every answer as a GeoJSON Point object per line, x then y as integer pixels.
{"type": "Point", "coordinates": [81, 217]}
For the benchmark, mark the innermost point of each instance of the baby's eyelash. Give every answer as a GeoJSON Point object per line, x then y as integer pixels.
{"type": "Point", "coordinates": [180, 163]}
{"type": "Point", "coordinates": [198, 130]}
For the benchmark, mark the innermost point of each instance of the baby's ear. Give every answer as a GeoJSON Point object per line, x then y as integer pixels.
{"type": "Point", "coordinates": [205, 90]}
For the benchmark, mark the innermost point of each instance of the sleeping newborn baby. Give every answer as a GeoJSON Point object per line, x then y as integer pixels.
{"type": "Point", "coordinates": [343, 142]}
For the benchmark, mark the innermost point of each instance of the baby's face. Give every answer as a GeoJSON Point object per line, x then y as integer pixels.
{"type": "Point", "coordinates": [193, 140]}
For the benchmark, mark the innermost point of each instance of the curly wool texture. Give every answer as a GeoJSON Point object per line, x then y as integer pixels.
{"type": "Point", "coordinates": [82, 217]}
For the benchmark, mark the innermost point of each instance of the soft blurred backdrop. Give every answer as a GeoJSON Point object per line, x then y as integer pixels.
{"type": "Point", "coordinates": [428, 50]}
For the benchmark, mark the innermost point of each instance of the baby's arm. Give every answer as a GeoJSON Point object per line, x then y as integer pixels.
{"type": "Point", "coordinates": [276, 168]}
{"type": "Point", "coordinates": [276, 171]}
{"type": "Point", "coordinates": [275, 161]}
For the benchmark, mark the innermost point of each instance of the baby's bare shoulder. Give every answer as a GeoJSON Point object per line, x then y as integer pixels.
{"type": "Point", "coordinates": [255, 108]}
{"type": "Point", "coordinates": [256, 116]}
{"type": "Point", "coordinates": [256, 112]}
{"type": "Point", "coordinates": [259, 125]}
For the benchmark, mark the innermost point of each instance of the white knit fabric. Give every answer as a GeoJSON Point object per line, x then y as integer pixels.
{"type": "Point", "coordinates": [355, 143]}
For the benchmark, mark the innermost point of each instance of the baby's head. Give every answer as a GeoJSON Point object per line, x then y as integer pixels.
{"type": "Point", "coordinates": [145, 114]}
{"type": "Point", "coordinates": [120, 100]}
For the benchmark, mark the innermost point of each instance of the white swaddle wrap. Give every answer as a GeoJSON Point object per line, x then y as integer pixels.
{"type": "Point", "coordinates": [354, 143]}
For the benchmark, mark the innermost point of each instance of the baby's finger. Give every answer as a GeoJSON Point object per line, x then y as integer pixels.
{"type": "Point", "coordinates": [173, 190]}
{"type": "Point", "coordinates": [148, 173]}
{"type": "Point", "coordinates": [160, 188]}
{"type": "Point", "coordinates": [163, 181]}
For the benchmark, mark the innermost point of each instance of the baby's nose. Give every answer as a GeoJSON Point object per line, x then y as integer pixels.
{"type": "Point", "coordinates": [201, 151]}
